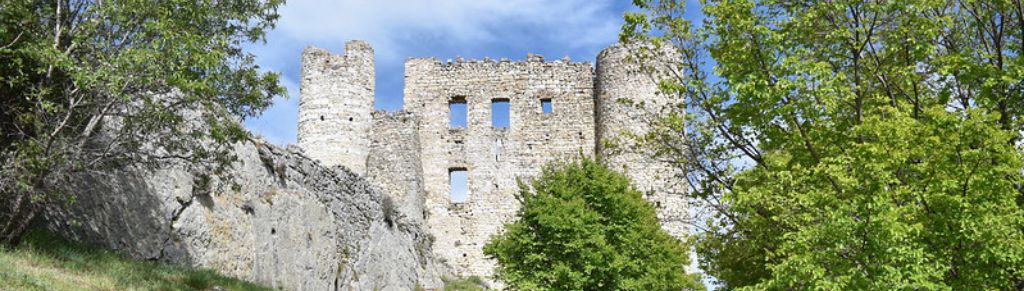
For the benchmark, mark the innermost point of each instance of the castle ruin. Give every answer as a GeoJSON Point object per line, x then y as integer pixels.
{"type": "Point", "coordinates": [556, 110]}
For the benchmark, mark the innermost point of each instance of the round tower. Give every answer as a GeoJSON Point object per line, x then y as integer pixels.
{"type": "Point", "coordinates": [627, 102]}
{"type": "Point", "coordinates": [335, 105]}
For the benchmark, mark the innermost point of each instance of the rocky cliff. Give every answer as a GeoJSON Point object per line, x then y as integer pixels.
{"type": "Point", "coordinates": [285, 221]}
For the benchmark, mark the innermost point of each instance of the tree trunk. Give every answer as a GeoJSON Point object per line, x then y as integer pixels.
{"type": "Point", "coordinates": [22, 213]}
{"type": "Point", "coordinates": [13, 237]}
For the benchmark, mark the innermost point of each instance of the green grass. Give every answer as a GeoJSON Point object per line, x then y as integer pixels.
{"type": "Point", "coordinates": [44, 261]}
{"type": "Point", "coordinates": [473, 283]}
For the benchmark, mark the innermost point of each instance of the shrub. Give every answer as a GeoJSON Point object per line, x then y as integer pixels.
{"type": "Point", "coordinates": [472, 283]}
{"type": "Point", "coordinates": [387, 204]}
{"type": "Point", "coordinates": [583, 227]}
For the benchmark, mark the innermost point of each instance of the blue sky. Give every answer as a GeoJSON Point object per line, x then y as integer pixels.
{"type": "Point", "coordinates": [458, 181]}
{"type": "Point", "coordinates": [401, 29]}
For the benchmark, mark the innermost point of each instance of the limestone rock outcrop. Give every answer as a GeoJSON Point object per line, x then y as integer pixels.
{"type": "Point", "coordinates": [283, 220]}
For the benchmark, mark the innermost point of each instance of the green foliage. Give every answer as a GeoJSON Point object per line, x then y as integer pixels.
{"type": "Point", "coordinates": [46, 262]}
{"type": "Point", "coordinates": [94, 84]}
{"type": "Point", "coordinates": [869, 145]}
{"type": "Point", "coordinates": [583, 227]}
{"type": "Point", "coordinates": [472, 283]}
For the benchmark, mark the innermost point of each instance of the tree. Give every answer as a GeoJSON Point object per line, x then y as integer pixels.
{"type": "Point", "coordinates": [583, 227]}
{"type": "Point", "coordinates": [850, 144]}
{"type": "Point", "coordinates": [89, 84]}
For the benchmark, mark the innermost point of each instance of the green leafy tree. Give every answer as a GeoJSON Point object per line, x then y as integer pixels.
{"type": "Point", "coordinates": [583, 227]}
{"type": "Point", "coordinates": [870, 145]}
{"type": "Point", "coordinates": [91, 84]}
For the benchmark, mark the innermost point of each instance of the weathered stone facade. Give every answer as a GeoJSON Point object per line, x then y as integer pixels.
{"type": "Point", "coordinates": [395, 156]}
{"type": "Point", "coordinates": [411, 153]}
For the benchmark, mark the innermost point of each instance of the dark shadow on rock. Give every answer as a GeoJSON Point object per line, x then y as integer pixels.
{"type": "Point", "coordinates": [119, 210]}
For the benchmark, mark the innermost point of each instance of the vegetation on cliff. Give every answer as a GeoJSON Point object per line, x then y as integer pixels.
{"type": "Point", "coordinates": [472, 283]}
{"type": "Point", "coordinates": [839, 145]}
{"type": "Point", "coordinates": [582, 226]}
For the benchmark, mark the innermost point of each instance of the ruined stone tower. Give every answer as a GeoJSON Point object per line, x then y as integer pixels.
{"type": "Point", "coordinates": [335, 105]}
{"type": "Point", "coordinates": [627, 100]}
{"type": "Point", "coordinates": [555, 110]}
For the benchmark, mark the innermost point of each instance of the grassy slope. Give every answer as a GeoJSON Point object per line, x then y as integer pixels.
{"type": "Point", "coordinates": [46, 262]}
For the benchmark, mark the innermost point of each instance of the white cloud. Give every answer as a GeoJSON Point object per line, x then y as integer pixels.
{"type": "Point", "coordinates": [386, 23]}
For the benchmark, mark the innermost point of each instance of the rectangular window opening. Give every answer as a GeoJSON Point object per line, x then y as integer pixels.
{"type": "Point", "coordinates": [458, 184]}
{"type": "Point", "coordinates": [499, 113]}
{"type": "Point", "coordinates": [457, 112]}
{"type": "Point", "coordinates": [545, 106]}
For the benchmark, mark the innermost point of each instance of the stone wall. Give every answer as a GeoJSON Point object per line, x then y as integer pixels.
{"type": "Point", "coordinates": [394, 161]}
{"type": "Point", "coordinates": [628, 101]}
{"type": "Point", "coordinates": [336, 103]}
{"type": "Point", "coordinates": [493, 157]}
{"type": "Point", "coordinates": [290, 223]}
